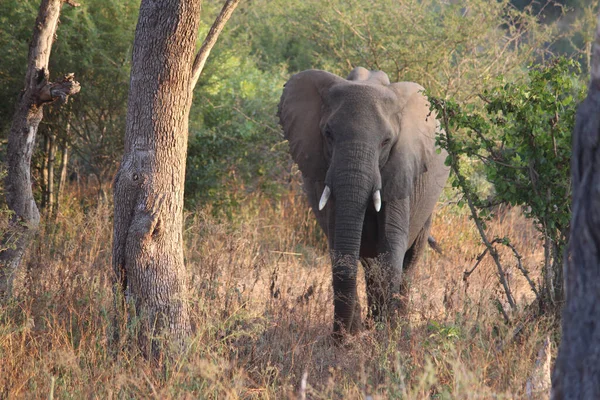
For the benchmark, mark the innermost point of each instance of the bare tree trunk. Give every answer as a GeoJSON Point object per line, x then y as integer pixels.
{"type": "Point", "coordinates": [50, 172]}
{"type": "Point", "coordinates": [148, 188]}
{"type": "Point", "coordinates": [577, 372]}
{"type": "Point", "coordinates": [21, 138]}
{"type": "Point", "coordinates": [44, 171]}
{"type": "Point", "coordinates": [64, 163]}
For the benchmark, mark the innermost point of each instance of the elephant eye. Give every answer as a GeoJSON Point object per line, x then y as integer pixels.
{"type": "Point", "coordinates": [385, 142]}
{"type": "Point", "coordinates": [328, 134]}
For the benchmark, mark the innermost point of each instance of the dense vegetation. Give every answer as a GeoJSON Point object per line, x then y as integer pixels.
{"type": "Point", "coordinates": [452, 49]}
{"type": "Point", "coordinates": [504, 99]}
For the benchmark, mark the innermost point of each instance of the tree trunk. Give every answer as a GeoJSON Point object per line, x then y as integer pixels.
{"type": "Point", "coordinates": [148, 189]}
{"type": "Point", "coordinates": [50, 172]}
{"type": "Point", "coordinates": [64, 163]}
{"type": "Point", "coordinates": [21, 139]}
{"type": "Point", "coordinates": [577, 373]}
{"type": "Point", "coordinates": [44, 171]}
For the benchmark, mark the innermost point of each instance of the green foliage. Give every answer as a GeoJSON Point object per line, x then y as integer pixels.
{"type": "Point", "coordinates": [535, 122]}
{"type": "Point", "coordinates": [93, 41]}
{"type": "Point", "coordinates": [522, 137]}
{"type": "Point", "coordinates": [448, 47]}
{"type": "Point", "coordinates": [17, 18]}
{"type": "Point", "coordinates": [234, 144]}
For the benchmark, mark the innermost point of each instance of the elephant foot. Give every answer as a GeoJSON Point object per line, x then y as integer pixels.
{"type": "Point", "coordinates": [340, 334]}
{"type": "Point", "coordinates": [388, 312]}
{"type": "Point", "coordinates": [343, 327]}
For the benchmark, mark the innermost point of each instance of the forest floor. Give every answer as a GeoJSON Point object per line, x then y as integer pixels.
{"type": "Point", "coordinates": [261, 304]}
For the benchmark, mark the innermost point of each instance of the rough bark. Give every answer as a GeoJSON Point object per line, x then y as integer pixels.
{"type": "Point", "coordinates": [21, 139]}
{"type": "Point", "coordinates": [148, 189]}
{"type": "Point", "coordinates": [577, 371]}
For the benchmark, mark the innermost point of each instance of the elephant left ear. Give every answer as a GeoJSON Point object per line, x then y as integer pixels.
{"type": "Point", "coordinates": [414, 150]}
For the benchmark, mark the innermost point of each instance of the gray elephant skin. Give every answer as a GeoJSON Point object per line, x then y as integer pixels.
{"type": "Point", "coordinates": [372, 175]}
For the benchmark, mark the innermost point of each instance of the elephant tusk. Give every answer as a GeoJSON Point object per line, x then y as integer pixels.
{"type": "Point", "coordinates": [377, 200]}
{"type": "Point", "coordinates": [324, 197]}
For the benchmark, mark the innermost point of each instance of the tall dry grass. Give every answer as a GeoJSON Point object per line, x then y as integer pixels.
{"type": "Point", "coordinates": [262, 312]}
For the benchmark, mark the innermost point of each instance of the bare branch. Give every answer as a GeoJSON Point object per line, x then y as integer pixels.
{"type": "Point", "coordinates": [211, 39]}
{"type": "Point", "coordinates": [521, 268]}
{"type": "Point", "coordinates": [478, 222]}
{"type": "Point", "coordinates": [468, 273]}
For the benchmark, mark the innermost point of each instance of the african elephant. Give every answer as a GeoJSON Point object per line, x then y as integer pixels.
{"type": "Point", "coordinates": [366, 150]}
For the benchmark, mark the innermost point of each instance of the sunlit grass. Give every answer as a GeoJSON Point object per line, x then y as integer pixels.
{"type": "Point", "coordinates": [261, 305]}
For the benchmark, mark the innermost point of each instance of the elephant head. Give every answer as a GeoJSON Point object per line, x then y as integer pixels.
{"type": "Point", "coordinates": [363, 142]}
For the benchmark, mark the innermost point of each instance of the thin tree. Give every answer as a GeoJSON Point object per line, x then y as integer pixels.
{"type": "Point", "coordinates": [577, 371]}
{"type": "Point", "coordinates": [148, 189]}
{"type": "Point", "coordinates": [29, 112]}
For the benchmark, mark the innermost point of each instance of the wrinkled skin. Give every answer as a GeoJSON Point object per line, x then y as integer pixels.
{"type": "Point", "coordinates": [358, 139]}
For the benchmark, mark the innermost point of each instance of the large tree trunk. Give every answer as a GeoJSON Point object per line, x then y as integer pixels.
{"type": "Point", "coordinates": [577, 371]}
{"type": "Point", "coordinates": [21, 139]}
{"type": "Point", "coordinates": [148, 189]}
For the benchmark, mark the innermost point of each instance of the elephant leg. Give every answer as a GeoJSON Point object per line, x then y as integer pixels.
{"type": "Point", "coordinates": [412, 256]}
{"type": "Point", "coordinates": [375, 288]}
{"type": "Point", "coordinates": [352, 322]}
{"type": "Point", "coordinates": [384, 285]}
{"type": "Point", "coordinates": [394, 235]}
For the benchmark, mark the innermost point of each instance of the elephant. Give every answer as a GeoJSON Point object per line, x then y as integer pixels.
{"type": "Point", "coordinates": [372, 175]}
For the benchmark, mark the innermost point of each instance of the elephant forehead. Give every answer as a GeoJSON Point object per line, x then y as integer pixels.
{"type": "Point", "coordinates": [362, 94]}
{"type": "Point", "coordinates": [361, 104]}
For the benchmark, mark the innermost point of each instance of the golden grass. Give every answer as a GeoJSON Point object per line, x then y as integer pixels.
{"type": "Point", "coordinates": [262, 311]}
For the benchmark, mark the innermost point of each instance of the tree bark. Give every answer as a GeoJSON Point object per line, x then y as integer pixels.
{"type": "Point", "coordinates": [577, 371]}
{"type": "Point", "coordinates": [148, 189]}
{"type": "Point", "coordinates": [21, 139]}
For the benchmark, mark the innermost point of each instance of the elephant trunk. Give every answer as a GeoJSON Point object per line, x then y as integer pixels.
{"type": "Point", "coordinates": [353, 187]}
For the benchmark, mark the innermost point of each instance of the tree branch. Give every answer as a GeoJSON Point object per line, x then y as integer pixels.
{"type": "Point", "coordinates": [59, 90]}
{"type": "Point", "coordinates": [211, 39]}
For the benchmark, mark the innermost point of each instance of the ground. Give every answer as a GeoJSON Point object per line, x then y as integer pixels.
{"type": "Point", "coordinates": [262, 310]}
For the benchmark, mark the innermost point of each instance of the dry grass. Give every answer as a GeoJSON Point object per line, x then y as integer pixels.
{"type": "Point", "coordinates": [262, 310]}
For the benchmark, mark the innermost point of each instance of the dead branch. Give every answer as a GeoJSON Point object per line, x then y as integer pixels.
{"type": "Point", "coordinates": [522, 269]}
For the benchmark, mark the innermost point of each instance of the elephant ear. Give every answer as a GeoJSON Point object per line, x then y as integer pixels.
{"type": "Point", "coordinates": [302, 107]}
{"type": "Point", "coordinates": [411, 154]}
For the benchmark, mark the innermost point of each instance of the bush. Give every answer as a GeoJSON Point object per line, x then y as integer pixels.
{"type": "Point", "coordinates": [522, 139]}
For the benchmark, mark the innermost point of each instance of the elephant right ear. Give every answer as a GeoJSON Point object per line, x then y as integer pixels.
{"type": "Point", "coordinates": [302, 108]}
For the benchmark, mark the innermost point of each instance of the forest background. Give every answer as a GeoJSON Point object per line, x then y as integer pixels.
{"type": "Point", "coordinates": [256, 259]}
